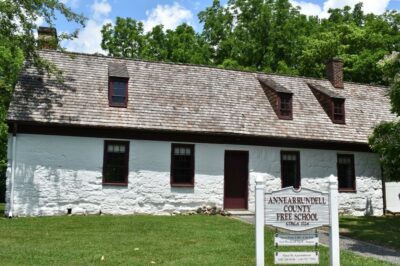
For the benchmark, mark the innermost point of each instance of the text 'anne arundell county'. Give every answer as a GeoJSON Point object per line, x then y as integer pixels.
{"type": "Point", "coordinates": [297, 209]}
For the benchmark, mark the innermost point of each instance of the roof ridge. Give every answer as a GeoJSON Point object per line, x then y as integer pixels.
{"type": "Point", "coordinates": [206, 66]}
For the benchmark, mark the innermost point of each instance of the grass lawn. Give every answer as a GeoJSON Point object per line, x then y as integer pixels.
{"type": "Point", "coordinates": [380, 230]}
{"type": "Point", "coordinates": [2, 207]}
{"type": "Point", "coordinates": [137, 240]}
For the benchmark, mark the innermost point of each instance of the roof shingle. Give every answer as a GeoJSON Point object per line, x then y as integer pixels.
{"type": "Point", "coordinates": [178, 97]}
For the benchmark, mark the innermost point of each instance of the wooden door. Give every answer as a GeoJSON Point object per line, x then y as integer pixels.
{"type": "Point", "coordinates": [236, 173]}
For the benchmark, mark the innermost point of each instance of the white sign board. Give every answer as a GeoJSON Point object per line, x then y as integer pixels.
{"type": "Point", "coordinates": [297, 257]}
{"type": "Point", "coordinates": [393, 196]}
{"type": "Point", "coordinates": [296, 210]}
{"type": "Point", "coordinates": [296, 240]}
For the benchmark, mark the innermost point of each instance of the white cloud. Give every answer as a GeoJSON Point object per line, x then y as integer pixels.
{"type": "Point", "coordinates": [89, 38]}
{"type": "Point", "coordinates": [168, 15]}
{"type": "Point", "coordinates": [100, 9]}
{"type": "Point", "coordinates": [307, 8]}
{"type": "Point", "coordinates": [369, 6]}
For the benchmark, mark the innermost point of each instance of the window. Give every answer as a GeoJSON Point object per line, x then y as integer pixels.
{"type": "Point", "coordinates": [346, 174]}
{"type": "Point", "coordinates": [118, 92]}
{"type": "Point", "coordinates": [290, 169]}
{"type": "Point", "coordinates": [115, 164]}
{"type": "Point", "coordinates": [182, 165]}
{"type": "Point", "coordinates": [285, 106]}
{"type": "Point", "coordinates": [338, 111]}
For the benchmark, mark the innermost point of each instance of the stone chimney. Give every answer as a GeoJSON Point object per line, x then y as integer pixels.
{"type": "Point", "coordinates": [334, 72]}
{"type": "Point", "coordinates": [47, 38]}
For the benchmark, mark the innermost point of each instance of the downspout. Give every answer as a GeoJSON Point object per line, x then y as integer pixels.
{"type": "Point", "coordinates": [383, 190]}
{"type": "Point", "coordinates": [13, 163]}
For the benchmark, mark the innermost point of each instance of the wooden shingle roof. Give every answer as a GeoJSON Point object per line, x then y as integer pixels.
{"type": "Point", "coordinates": [179, 97]}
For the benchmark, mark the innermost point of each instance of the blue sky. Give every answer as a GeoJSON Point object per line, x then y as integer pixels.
{"type": "Point", "coordinates": [171, 13]}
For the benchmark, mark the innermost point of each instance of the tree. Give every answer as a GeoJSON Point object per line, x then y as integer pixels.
{"type": "Point", "coordinates": [360, 40]}
{"type": "Point", "coordinates": [155, 47]}
{"type": "Point", "coordinates": [185, 46]}
{"type": "Point", "coordinates": [385, 139]}
{"type": "Point", "coordinates": [125, 39]}
{"type": "Point", "coordinates": [18, 44]}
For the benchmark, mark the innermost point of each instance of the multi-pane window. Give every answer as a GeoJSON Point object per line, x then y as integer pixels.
{"type": "Point", "coordinates": [285, 105]}
{"type": "Point", "coordinates": [118, 92]}
{"type": "Point", "coordinates": [346, 173]}
{"type": "Point", "coordinates": [290, 169]}
{"type": "Point", "coordinates": [338, 111]}
{"type": "Point", "coordinates": [182, 165]}
{"type": "Point", "coordinates": [115, 164]}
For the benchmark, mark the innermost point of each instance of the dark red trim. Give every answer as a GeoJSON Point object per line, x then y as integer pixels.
{"type": "Point", "coordinates": [199, 137]}
{"type": "Point", "coordinates": [126, 162]}
{"type": "Point", "coordinates": [353, 177]}
{"type": "Point", "coordinates": [298, 177]}
{"type": "Point", "coordinates": [335, 101]}
{"type": "Point", "coordinates": [110, 92]}
{"type": "Point", "coordinates": [279, 107]}
{"type": "Point", "coordinates": [192, 154]}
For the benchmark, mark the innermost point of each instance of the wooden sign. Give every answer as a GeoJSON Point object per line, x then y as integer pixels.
{"type": "Point", "coordinates": [296, 210]}
{"type": "Point", "coordinates": [311, 257]}
{"type": "Point", "coordinates": [296, 240]}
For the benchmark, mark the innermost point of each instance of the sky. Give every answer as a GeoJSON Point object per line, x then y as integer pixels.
{"type": "Point", "coordinates": [171, 13]}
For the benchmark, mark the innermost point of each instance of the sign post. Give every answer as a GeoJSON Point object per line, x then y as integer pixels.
{"type": "Point", "coordinates": [297, 210]}
{"type": "Point", "coordinates": [334, 222]}
{"type": "Point", "coordinates": [260, 221]}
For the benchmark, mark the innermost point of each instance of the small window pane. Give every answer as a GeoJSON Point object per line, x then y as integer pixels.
{"type": "Point", "coordinates": [110, 148]}
{"type": "Point", "coordinates": [118, 99]}
{"type": "Point", "coordinates": [122, 149]}
{"type": "Point", "coordinates": [176, 151]}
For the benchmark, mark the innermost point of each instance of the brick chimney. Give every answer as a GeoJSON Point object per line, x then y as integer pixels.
{"type": "Point", "coordinates": [334, 72]}
{"type": "Point", "coordinates": [47, 38]}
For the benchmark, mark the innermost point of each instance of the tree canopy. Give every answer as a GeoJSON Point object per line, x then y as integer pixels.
{"type": "Point", "coordinates": [385, 139]}
{"type": "Point", "coordinates": [18, 44]}
{"type": "Point", "coordinates": [266, 35]}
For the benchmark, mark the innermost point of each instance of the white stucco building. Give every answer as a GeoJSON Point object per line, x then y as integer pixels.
{"type": "Point", "coordinates": [123, 136]}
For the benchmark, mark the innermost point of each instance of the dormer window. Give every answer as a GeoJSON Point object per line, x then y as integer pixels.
{"type": "Point", "coordinates": [279, 97]}
{"type": "Point", "coordinates": [118, 92]}
{"type": "Point", "coordinates": [285, 105]}
{"type": "Point", "coordinates": [338, 111]}
{"type": "Point", "coordinates": [118, 78]}
{"type": "Point", "coordinates": [332, 103]}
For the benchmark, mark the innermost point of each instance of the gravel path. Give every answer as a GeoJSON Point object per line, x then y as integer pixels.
{"type": "Point", "coordinates": [359, 247]}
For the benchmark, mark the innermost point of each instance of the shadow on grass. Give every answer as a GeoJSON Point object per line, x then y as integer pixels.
{"type": "Point", "coordinates": [373, 249]}
{"type": "Point", "coordinates": [2, 207]}
{"type": "Point", "coordinates": [383, 231]}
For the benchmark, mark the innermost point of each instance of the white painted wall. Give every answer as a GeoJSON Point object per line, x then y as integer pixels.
{"type": "Point", "coordinates": [56, 172]}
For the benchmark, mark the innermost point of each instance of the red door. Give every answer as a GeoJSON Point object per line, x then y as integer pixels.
{"type": "Point", "coordinates": [236, 179]}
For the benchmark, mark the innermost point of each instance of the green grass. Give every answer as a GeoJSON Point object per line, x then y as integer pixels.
{"type": "Point", "coordinates": [2, 207]}
{"type": "Point", "coordinates": [137, 240]}
{"type": "Point", "coordinates": [383, 230]}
